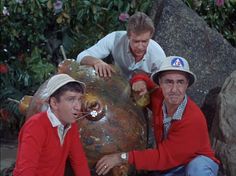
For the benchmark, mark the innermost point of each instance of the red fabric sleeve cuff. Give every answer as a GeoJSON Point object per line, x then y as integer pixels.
{"type": "Point", "coordinates": [143, 77]}
{"type": "Point", "coordinates": [131, 158]}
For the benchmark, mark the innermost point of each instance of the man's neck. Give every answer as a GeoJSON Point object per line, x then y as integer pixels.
{"type": "Point", "coordinates": [171, 111]}
{"type": "Point", "coordinates": [137, 59]}
{"type": "Point", "coordinates": [172, 108]}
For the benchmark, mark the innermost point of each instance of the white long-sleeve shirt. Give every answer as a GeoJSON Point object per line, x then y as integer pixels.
{"type": "Point", "coordinates": [117, 44]}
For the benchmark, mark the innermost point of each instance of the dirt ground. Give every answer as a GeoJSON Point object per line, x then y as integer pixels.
{"type": "Point", "coordinates": [8, 148]}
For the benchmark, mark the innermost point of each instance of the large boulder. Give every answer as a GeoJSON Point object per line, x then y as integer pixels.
{"type": "Point", "coordinates": [223, 127]}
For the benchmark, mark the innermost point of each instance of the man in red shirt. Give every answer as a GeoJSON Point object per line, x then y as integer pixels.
{"type": "Point", "coordinates": [181, 134]}
{"type": "Point", "coordinates": [48, 138]}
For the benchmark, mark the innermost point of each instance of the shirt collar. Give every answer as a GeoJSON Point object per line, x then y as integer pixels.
{"type": "Point", "coordinates": [54, 120]}
{"type": "Point", "coordinates": [179, 112]}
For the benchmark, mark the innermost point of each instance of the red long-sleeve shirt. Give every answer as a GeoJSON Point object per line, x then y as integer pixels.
{"type": "Point", "coordinates": [41, 154]}
{"type": "Point", "coordinates": [187, 138]}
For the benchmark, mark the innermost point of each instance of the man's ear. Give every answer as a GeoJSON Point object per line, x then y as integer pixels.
{"type": "Point", "coordinates": [159, 80]}
{"type": "Point", "coordinates": [53, 102]}
{"type": "Point", "coordinates": [188, 82]}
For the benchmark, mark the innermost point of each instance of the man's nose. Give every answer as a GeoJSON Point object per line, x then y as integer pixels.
{"type": "Point", "coordinates": [174, 87]}
{"type": "Point", "coordinates": [141, 45]}
{"type": "Point", "coordinates": [77, 105]}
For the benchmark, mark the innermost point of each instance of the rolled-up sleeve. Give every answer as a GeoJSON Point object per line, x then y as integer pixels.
{"type": "Point", "coordinates": [100, 50]}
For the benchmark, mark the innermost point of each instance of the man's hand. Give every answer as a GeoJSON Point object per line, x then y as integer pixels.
{"type": "Point", "coordinates": [107, 162]}
{"type": "Point", "coordinates": [140, 93]}
{"type": "Point", "coordinates": [103, 69]}
{"type": "Point", "coordinates": [140, 87]}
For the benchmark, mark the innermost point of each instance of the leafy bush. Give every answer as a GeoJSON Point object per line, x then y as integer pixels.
{"type": "Point", "coordinates": [33, 30]}
{"type": "Point", "coordinates": [219, 14]}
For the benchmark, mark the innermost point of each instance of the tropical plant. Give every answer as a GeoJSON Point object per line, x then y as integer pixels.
{"type": "Point", "coordinates": [219, 14]}
{"type": "Point", "coordinates": [32, 32]}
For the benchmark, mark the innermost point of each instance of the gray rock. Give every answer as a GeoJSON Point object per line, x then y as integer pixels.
{"type": "Point", "coordinates": [180, 31]}
{"type": "Point", "coordinates": [223, 132]}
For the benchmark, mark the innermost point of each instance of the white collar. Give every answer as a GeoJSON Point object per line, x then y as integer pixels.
{"type": "Point", "coordinates": [52, 118]}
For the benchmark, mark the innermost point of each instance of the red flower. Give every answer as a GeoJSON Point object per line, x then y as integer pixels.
{"type": "Point", "coordinates": [3, 68]}
{"type": "Point", "coordinates": [4, 114]}
{"type": "Point", "coordinates": [219, 2]}
{"type": "Point", "coordinates": [124, 17]}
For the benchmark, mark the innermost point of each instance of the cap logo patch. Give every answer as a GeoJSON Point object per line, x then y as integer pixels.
{"type": "Point", "coordinates": [177, 62]}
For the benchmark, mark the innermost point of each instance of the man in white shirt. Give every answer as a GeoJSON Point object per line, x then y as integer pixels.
{"type": "Point", "coordinates": [132, 50]}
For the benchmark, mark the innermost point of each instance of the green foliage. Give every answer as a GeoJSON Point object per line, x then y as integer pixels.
{"type": "Point", "coordinates": [219, 14]}
{"type": "Point", "coordinates": [33, 30]}
{"type": "Point", "coordinates": [93, 19]}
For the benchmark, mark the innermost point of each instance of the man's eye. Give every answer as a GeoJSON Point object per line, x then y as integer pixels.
{"type": "Point", "coordinates": [181, 82]}
{"type": "Point", "coordinates": [71, 99]}
{"type": "Point", "coordinates": [168, 82]}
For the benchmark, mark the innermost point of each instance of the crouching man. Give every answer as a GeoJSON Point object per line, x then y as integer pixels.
{"type": "Point", "coordinates": [181, 134]}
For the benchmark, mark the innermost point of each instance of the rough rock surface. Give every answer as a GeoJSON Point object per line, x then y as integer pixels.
{"type": "Point", "coordinates": [223, 127]}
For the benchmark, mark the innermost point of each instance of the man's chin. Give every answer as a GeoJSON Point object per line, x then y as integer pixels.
{"type": "Point", "coordinates": [139, 55]}
{"type": "Point", "coordinates": [174, 101]}
{"type": "Point", "coordinates": [74, 120]}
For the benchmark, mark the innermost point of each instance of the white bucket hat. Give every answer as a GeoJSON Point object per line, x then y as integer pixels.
{"type": "Point", "coordinates": [174, 63]}
{"type": "Point", "coordinates": [59, 80]}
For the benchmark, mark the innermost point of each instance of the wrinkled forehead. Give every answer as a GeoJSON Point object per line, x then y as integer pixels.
{"type": "Point", "coordinates": [174, 75]}
{"type": "Point", "coordinates": [141, 34]}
